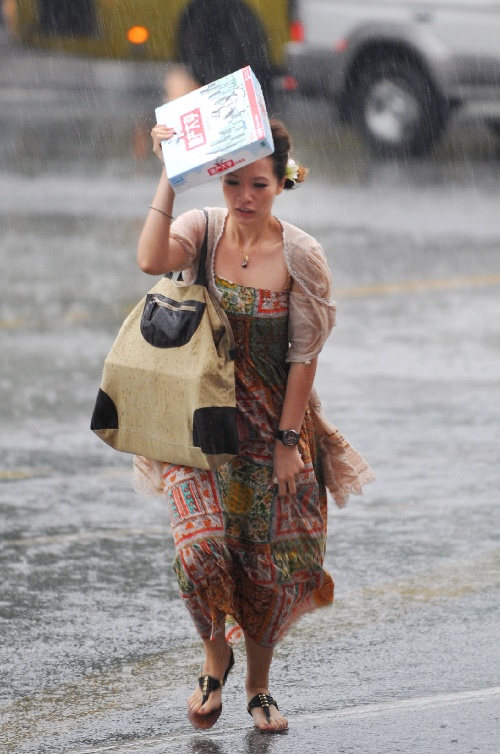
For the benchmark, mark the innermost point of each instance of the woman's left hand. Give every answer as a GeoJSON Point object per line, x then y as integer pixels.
{"type": "Point", "coordinates": [287, 466]}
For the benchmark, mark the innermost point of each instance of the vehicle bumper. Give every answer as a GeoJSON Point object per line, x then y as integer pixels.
{"type": "Point", "coordinates": [324, 71]}
{"type": "Point", "coordinates": [315, 71]}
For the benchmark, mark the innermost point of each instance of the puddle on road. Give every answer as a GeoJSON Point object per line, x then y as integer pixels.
{"type": "Point", "coordinates": [110, 700]}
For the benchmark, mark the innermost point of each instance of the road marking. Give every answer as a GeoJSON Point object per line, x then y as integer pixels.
{"type": "Point", "coordinates": [360, 291]}
{"type": "Point", "coordinates": [42, 471]}
{"type": "Point", "coordinates": [10, 474]}
{"type": "Point", "coordinates": [416, 286]}
{"type": "Point", "coordinates": [434, 700]}
{"type": "Point", "coordinates": [84, 535]}
{"type": "Point", "coordinates": [167, 741]}
{"type": "Point", "coordinates": [16, 474]}
{"type": "Point", "coordinates": [9, 324]}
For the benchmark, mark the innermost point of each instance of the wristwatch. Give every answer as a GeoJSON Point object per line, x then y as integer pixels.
{"type": "Point", "coordinates": [288, 436]}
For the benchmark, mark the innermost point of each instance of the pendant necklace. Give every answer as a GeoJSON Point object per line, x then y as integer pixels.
{"type": "Point", "coordinates": [245, 261]}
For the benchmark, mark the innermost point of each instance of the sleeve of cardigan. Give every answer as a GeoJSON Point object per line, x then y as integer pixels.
{"type": "Point", "coordinates": [189, 229]}
{"type": "Point", "coordinates": [312, 310]}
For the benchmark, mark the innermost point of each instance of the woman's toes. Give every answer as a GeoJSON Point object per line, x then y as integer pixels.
{"type": "Point", "coordinates": [194, 701]}
{"type": "Point", "coordinates": [277, 722]}
{"type": "Point", "coordinates": [212, 704]}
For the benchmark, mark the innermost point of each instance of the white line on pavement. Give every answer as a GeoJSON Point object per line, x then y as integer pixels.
{"type": "Point", "coordinates": [168, 741]}
{"type": "Point", "coordinates": [85, 535]}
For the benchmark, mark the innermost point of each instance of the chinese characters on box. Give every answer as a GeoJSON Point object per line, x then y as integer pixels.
{"type": "Point", "coordinates": [219, 127]}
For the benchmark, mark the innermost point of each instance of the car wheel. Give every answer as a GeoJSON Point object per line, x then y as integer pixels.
{"type": "Point", "coordinates": [494, 126]}
{"type": "Point", "coordinates": [395, 108]}
{"type": "Point", "coordinates": [217, 37]}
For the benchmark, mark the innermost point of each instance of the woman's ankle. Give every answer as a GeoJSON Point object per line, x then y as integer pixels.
{"type": "Point", "coordinates": [217, 657]}
{"type": "Point", "coordinates": [252, 690]}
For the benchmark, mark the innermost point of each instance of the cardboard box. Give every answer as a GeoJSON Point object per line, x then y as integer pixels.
{"type": "Point", "coordinates": [219, 128]}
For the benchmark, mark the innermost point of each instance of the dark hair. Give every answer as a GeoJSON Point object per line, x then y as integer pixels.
{"type": "Point", "coordinates": [282, 145]}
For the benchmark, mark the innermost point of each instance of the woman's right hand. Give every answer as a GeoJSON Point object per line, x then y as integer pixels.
{"type": "Point", "coordinates": [159, 134]}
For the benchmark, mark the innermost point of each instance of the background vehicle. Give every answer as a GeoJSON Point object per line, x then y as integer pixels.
{"type": "Point", "coordinates": [397, 69]}
{"type": "Point", "coordinates": [214, 37]}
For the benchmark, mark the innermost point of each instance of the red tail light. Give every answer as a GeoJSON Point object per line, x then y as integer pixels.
{"type": "Point", "coordinates": [297, 33]}
{"type": "Point", "coordinates": [289, 83]}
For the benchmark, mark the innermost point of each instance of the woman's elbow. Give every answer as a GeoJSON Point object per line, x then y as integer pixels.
{"type": "Point", "coordinates": [146, 263]}
{"type": "Point", "coordinates": [145, 266]}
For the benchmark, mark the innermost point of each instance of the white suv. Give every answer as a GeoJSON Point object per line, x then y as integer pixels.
{"type": "Point", "coordinates": [397, 69]}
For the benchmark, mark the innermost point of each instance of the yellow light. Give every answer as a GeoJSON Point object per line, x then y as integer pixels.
{"type": "Point", "coordinates": [137, 35]}
{"type": "Point", "coordinates": [9, 10]}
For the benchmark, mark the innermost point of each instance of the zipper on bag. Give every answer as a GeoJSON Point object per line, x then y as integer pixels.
{"type": "Point", "coordinates": [180, 308]}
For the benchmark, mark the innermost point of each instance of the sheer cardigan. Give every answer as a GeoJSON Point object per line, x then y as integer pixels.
{"type": "Point", "coordinates": [310, 321]}
{"type": "Point", "coordinates": [311, 310]}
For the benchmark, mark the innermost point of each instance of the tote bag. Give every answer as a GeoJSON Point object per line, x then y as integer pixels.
{"type": "Point", "coordinates": [168, 388]}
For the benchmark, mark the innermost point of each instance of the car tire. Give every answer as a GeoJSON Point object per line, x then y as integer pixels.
{"type": "Point", "coordinates": [396, 109]}
{"type": "Point", "coordinates": [217, 37]}
{"type": "Point", "coordinates": [494, 126]}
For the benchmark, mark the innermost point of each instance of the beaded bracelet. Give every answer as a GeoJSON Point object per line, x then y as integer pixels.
{"type": "Point", "coordinates": [160, 210]}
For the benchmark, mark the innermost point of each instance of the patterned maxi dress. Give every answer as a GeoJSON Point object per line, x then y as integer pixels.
{"type": "Point", "coordinates": [241, 549]}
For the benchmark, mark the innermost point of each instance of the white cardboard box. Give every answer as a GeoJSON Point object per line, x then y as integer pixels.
{"type": "Point", "coordinates": [220, 127]}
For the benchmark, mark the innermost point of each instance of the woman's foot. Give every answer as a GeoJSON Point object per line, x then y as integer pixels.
{"type": "Point", "coordinates": [265, 712]}
{"type": "Point", "coordinates": [206, 699]}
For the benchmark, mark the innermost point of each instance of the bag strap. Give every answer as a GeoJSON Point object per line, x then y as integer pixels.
{"type": "Point", "coordinates": [201, 276]}
{"type": "Point", "coordinates": [201, 279]}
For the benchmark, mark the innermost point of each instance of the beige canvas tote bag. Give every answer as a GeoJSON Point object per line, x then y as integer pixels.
{"type": "Point", "coordinates": [168, 389]}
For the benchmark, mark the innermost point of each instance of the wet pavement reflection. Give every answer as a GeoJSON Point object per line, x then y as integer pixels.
{"type": "Point", "coordinates": [97, 653]}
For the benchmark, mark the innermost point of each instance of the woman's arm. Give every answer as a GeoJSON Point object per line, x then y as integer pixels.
{"type": "Point", "coordinates": [157, 253]}
{"type": "Point", "coordinates": [287, 461]}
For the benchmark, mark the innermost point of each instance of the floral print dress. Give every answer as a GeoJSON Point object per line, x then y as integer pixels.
{"type": "Point", "coordinates": [242, 551]}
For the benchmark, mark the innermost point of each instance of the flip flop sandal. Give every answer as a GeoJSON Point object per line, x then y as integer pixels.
{"type": "Point", "coordinates": [264, 701]}
{"type": "Point", "coordinates": [229, 668]}
{"type": "Point", "coordinates": [207, 684]}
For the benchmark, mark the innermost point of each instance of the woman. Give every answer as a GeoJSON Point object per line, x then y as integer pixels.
{"type": "Point", "coordinates": [250, 537]}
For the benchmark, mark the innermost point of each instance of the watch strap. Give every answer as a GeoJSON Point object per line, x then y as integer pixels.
{"type": "Point", "coordinates": [288, 436]}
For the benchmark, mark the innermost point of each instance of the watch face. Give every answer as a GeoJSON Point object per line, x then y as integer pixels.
{"type": "Point", "coordinates": [290, 437]}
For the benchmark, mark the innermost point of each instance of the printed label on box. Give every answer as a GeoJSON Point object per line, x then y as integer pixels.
{"type": "Point", "coordinates": [220, 167]}
{"type": "Point", "coordinates": [192, 126]}
{"type": "Point", "coordinates": [254, 107]}
{"type": "Point", "coordinates": [218, 128]}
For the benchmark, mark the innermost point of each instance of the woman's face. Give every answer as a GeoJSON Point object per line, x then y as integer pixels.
{"type": "Point", "coordinates": [250, 191]}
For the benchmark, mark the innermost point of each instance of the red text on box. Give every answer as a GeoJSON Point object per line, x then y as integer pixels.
{"type": "Point", "coordinates": [220, 167]}
{"type": "Point", "coordinates": [192, 126]}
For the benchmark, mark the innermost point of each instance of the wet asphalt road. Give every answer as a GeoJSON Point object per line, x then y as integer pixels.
{"type": "Point", "coordinates": [97, 654]}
